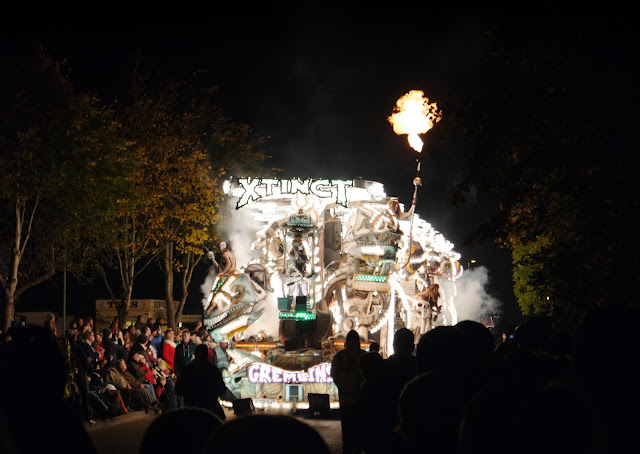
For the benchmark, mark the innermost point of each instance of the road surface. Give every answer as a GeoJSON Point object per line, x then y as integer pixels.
{"type": "Point", "coordinates": [123, 434]}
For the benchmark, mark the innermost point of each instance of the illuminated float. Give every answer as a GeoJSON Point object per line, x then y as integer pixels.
{"type": "Point", "coordinates": [328, 256]}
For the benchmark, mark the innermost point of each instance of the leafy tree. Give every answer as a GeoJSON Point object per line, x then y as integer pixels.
{"type": "Point", "coordinates": [57, 152]}
{"type": "Point", "coordinates": [202, 145]}
{"type": "Point", "coordinates": [189, 196]}
{"type": "Point", "coordinates": [130, 242]}
{"type": "Point", "coordinates": [550, 149]}
{"type": "Point", "coordinates": [171, 204]}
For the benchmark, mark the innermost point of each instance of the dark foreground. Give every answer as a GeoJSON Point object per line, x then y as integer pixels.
{"type": "Point", "coordinates": [123, 434]}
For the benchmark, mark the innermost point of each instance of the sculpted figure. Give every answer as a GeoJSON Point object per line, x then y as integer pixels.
{"type": "Point", "coordinates": [227, 259]}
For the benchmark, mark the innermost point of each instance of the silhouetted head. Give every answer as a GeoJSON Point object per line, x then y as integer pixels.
{"type": "Point", "coordinates": [445, 348]}
{"type": "Point", "coordinates": [300, 437]}
{"type": "Point", "coordinates": [197, 422]}
{"type": "Point", "coordinates": [371, 365]}
{"type": "Point", "coordinates": [353, 339]}
{"type": "Point", "coordinates": [480, 339]}
{"type": "Point", "coordinates": [202, 352]}
{"type": "Point", "coordinates": [403, 341]}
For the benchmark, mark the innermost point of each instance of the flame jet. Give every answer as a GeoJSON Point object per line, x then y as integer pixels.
{"type": "Point", "coordinates": [413, 115]}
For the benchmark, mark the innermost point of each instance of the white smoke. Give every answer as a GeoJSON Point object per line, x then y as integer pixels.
{"type": "Point", "coordinates": [241, 234]}
{"type": "Point", "coordinates": [239, 239]}
{"type": "Point", "coordinates": [472, 300]}
{"type": "Point", "coordinates": [206, 287]}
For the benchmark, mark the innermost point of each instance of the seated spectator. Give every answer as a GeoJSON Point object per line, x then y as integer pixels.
{"type": "Point", "coordinates": [109, 346]}
{"type": "Point", "coordinates": [73, 330]}
{"type": "Point", "coordinates": [127, 343]}
{"type": "Point", "coordinates": [150, 350]}
{"type": "Point", "coordinates": [139, 369]}
{"type": "Point", "coordinates": [135, 394]}
{"type": "Point", "coordinates": [97, 346]}
{"type": "Point", "coordinates": [71, 391]}
{"type": "Point", "coordinates": [137, 326]}
{"type": "Point", "coordinates": [100, 384]}
{"type": "Point", "coordinates": [166, 393]}
{"type": "Point", "coordinates": [114, 326]}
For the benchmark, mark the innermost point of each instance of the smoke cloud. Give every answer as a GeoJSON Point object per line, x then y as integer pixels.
{"type": "Point", "coordinates": [239, 239]}
{"type": "Point", "coordinates": [472, 301]}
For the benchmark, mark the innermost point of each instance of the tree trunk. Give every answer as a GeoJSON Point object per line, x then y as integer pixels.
{"type": "Point", "coordinates": [9, 310]}
{"type": "Point", "coordinates": [125, 305]}
{"type": "Point", "coordinates": [127, 288]}
{"type": "Point", "coordinates": [187, 274]}
{"type": "Point", "coordinates": [167, 268]}
{"type": "Point", "coordinates": [10, 282]}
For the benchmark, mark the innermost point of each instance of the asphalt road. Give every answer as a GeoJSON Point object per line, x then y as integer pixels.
{"type": "Point", "coordinates": [122, 435]}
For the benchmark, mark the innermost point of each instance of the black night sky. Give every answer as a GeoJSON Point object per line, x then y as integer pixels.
{"type": "Point", "coordinates": [320, 82]}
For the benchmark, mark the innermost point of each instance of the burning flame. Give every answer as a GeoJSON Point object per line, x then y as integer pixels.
{"type": "Point", "coordinates": [413, 115]}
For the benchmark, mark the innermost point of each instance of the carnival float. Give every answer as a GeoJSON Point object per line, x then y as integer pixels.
{"type": "Point", "coordinates": [327, 256]}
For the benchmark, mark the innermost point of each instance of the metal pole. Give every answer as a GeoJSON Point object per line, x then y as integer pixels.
{"type": "Point", "coordinates": [417, 181]}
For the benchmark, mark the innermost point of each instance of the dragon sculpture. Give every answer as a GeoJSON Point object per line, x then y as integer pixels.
{"type": "Point", "coordinates": [232, 304]}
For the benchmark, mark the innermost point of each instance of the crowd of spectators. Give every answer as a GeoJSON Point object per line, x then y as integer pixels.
{"type": "Point", "coordinates": [458, 389]}
{"type": "Point", "coordinates": [454, 390]}
{"type": "Point", "coordinates": [117, 370]}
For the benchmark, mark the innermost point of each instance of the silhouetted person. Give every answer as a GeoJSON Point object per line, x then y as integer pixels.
{"type": "Point", "coordinates": [32, 383]}
{"type": "Point", "coordinates": [493, 413]}
{"type": "Point", "coordinates": [377, 408]}
{"type": "Point", "coordinates": [109, 347]}
{"type": "Point", "coordinates": [283, 434]}
{"type": "Point", "coordinates": [481, 352]}
{"type": "Point", "coordinates": [84, 355]}
{"type": "Point", "coordinates": [201, 383]}
{"type": "Point", "coordinates": [607, 354]}
{"type": "Point", "coordinates": [430, 408]}
{"type": "Point", "coordinates": [181, 430]}
{"type": "Point", "coordinates": [346, 374]}
{"type": "Point", "coordinates": [559, 420]}
{"type": "Point", "coordinates": [444, 348]}
{"type": "Point", "coordinates": [168, 398]}
{"type": "Point", "coordinates": [520, 417]}
{"type": "Point", "coordinates": [401, 365]}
